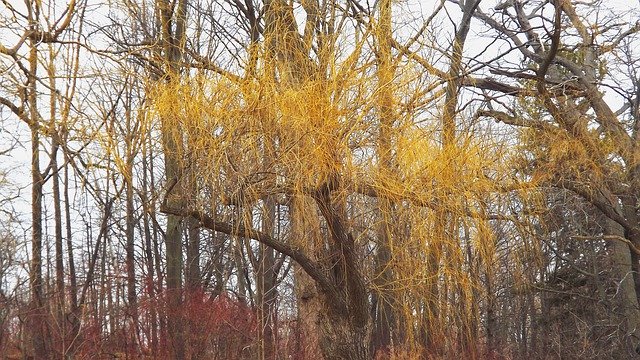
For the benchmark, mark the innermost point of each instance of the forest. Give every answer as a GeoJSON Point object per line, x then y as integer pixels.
{"type": "Point", "coordinates": [319, 179]}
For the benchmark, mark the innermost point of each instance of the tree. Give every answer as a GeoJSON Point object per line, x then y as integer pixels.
{"type": "Point", "coordinates": [582, 143]}
{"type": "Point", "coordinates": [310, 106]}
{"type": "Point", "coordinates": [321, 179]}
{"type": "Point", "coordinates": [37, 29]}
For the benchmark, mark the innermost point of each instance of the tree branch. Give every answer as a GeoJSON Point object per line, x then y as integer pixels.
{"type": "Point", "coordinates": [17, 110]}
{"type": "Point", "coordinates": [311, 267]}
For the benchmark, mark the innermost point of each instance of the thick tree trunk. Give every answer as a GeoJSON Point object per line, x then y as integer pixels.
{"type": "Point", "coordinates": [266, 296]}
{"type": "Point", "coordinates": [267, 293]}
{"type": "Point", "coordinates": [344, 320]}
{"type": "Point", "coordinates": [307, 295]}
{"type": "Point", "coordinates": [335, 326]}
{"type": "Point", "coordinates": [342, 336]}
{"type": "Point", "coordinates": [173, 253]}
{"type": "Point", "coordinates": [267, 273]}
{"type": "Point", "coordinates": [326, 331]}
{"type": "Point", "coordinates": [309, 307]}
{"type": "Point", "coordinates": [625, 299]}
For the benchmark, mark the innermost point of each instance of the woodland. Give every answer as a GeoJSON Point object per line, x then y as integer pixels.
{"type": "Point", "coordinates": [319, 179]}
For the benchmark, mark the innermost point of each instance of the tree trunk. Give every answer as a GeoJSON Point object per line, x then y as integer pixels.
{"type": "Point", "coordinates": [266, 295]}
{"type": "Point", "coordinates": [385, 309]}
{"type": "Point", "coordinates": [173, 241]}
{"type": "Point", "coordinates": [148, 251]}
{"type": "Point", "coordinates": [326, 329]}
{"type": "Point", "coordinates": [625, 299]}
{"type": "Point", "coordinates": [38, 326]}
{"type": "Point", "coordinates": [344, 320]}
{"type": "Point", "coordinates": [267, 272]}
{"type": "Point", "coordinates": [74, 314]}
{"type": "Point", "coordinates": [193, 286]}
{"type": "Point", "coordinates": [342, 336]}
{"type": "Point", "coordinates": [57, 216]}
{"type": "Point", "coordinates": [130, 251]}
{"type": "Point", "coordinates": [132, 305]}
{"type": "Point", "coordinates": [309, 307]}
{"type": "Point", "coordinates": [59, 252]}
{"type": "Point", "coordinates": [172, 42]}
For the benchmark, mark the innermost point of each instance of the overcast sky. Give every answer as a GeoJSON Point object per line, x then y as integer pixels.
{"type": "Point", "coordinates": [17, 164]}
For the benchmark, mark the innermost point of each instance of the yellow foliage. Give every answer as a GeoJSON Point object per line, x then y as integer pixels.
{"type": "Point", "coordinates": [263, 136]}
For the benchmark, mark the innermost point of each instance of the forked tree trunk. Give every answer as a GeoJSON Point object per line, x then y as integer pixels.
{"type": "Point", "coordinates": [328, 331]}
{"type": "Point", "coordinates": [332, 326]}
{"type": "Point", "coordinates": [344, 319]}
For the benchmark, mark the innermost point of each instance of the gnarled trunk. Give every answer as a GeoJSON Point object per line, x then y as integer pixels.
{"type": "Point", "coordinates": [342, 335]}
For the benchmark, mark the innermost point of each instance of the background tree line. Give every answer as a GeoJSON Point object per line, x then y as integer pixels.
{"type": "Point", "coordinates": [319, 179]}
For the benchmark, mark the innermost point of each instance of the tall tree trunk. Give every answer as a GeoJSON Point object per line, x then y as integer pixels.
{"type": "Point", "coordinates": [59, 252]}
{"type": "Point", "coordinates": [150, 285]}
{"type": "Point", "coordinates": [59, 307]}
{"type": "Point", "coordinates": [130, 253]}
{"type": "Point", "coordinates": [266, 302]}
{"type": "Point", "coordinates": [74, 314]}
{"type": "Point", "coordinates": [173, 38]}
{"type": "Point", "coordinates": [333, 328]}
{"type": "Point", "coordinates": [385, 308]}
{"type": "Point", "coordinates": [38, 325]}
{"type": "Point", "coordinates": [344, 321]}
{"type": "Point", "coordinates": [130, 148]}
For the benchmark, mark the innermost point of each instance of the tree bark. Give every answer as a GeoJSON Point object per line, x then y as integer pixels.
{"type": "Point", "coordinates": [132, 306]}
{"type": "Point", "coordinates": [626, 299]}
{"type": "Point", "coordinates": [74, 313]}
{"type": "Point", "coordinates": [172, 41]}
{"type": "Point", "coordinates": [385, 309]}
{"type": "Point", "coordinates": [38, 313]}
{"type": "Point", "coordinates": [149, 283]}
